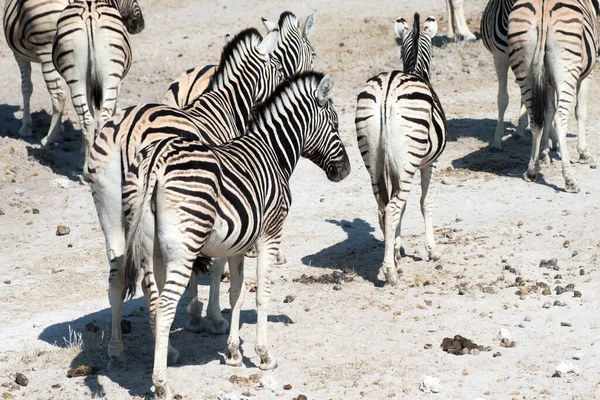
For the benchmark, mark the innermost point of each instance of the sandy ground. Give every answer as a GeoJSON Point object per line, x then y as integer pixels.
{"type": "Point", "coordinates": [361, 340]}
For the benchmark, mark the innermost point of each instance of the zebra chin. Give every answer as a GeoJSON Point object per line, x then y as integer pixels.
{"type": "Point", "coordinates": [339, 171]}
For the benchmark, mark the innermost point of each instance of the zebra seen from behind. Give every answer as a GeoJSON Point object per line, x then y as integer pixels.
{"type": "Point", "coordinates": [30, 27]}
{"type": "Point", "coordinates": [552, 51]}
{"type": "Point", "coordinates": [294, 51]}
{"type": "Point", "coordinates": [201, 201]}
{"type": "Point", "coordinates": [91, 51]}
{"type": "Point", "coordinates": [246, 76]}
{"type": "Point", "coordinates": [401, 128]}
{"type": "Point", "coordinates": [494, 29]}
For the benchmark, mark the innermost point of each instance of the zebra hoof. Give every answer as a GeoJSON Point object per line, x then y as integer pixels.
{"type": "Point", "coordinates": [571, 187]}
{"type": "Point", "coordinates": [193, 325]}
{"type": "Point", "coordinates": [25, 131]}
{"type": "Point", "coordinates": [434, 256]}
{"type": "Point", "coordinates": [495, 147]}
{"type": "Point", "coordinates": [234, 360]}
{"type": "Point", "coordinates": [116, 365]}
{"type": "Point", "coordinates": [586, 158]}
{"type": "Point", "coordinates": [267, 366]}
{"type": "Point", "coordinates": [530, 176]}
{"type": "Point", "coordinates": [220, 327]}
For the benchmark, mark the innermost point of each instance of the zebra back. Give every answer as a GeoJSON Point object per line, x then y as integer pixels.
{"type": "Point", "coordinates": [494, 25]}
{"type": "Point", "coordinates": [416, 45]}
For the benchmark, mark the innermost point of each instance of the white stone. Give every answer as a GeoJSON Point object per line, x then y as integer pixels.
{"type": "Point", "coordinates": [566, 367]}
{"type": "Point", "coordinates": [230, 396]}
{"type": "Point", "coordinates": [60, 182]}
{"type": "Point", "coordinates": [268, 382]}
{"type": "Point", "coordinates": [19, 191]}
{"type": "Point", "coordinates": [430, 384]}
{"type": "Point", "coordinates": [504, 334]}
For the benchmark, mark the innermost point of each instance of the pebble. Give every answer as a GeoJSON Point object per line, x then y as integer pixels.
{"type": "Point", "coordinates": [557, 303]}
{"type": "Point", "coordinates": [546, 292]}
{"type": "Point", "coordinates": [462, 291]}
{"type": "Point", "coordinates": [337, 287]}
{"type": "Point", "coordinates": [428, 346]}
{"type": "Point", "coordinates": [488, 289]}
{"type": "Point", "coordinates": [19, 191]}
{"type": "Point", "coordinates": [565, 324]}
{"type": "Point", "coordinates": [565, 367]}
{"type": "Point", "coordinates": [575, 253]}
{"type": "Point", "coordinates": [35, 211]}
{"type": "Point", "coordinates": [508, 343]}
{"type": "Point", "coordinates": [430, 384]}
{"type": "Point", "coordinates": [439, 267]}
{"type": "Point", "coordinates": [521, 325]}
{"type": "Point", "coordinates": [289, 298]}
{"type": "Point", "coordinates": [577, 293]}
{"type": "Point", "coordinates": [21, 379]}
{"type": "Point", "coordinates": [7, 281]}
{"type": "Point", "coordinates": [560, 290]}
{"type": "Point", "coordinates": [558, 276]}
{"type": "Point", "coordinates": [582, 271]}
{"type": "Point", "coordinates": [570, 287]}
{"type": "Point", "coordinates": [287, 386]}
{"type": "Point", "coordinates": [577, 356]}
{"type": "Point", "coordinates": [528, 319]}
{"type": "Point", "coordinates": [547, 304]}
{"type": "Point", "coordinates": [239, 380]}
{"type": "Point", "coordinates": [504, 334]}
{"type": "Point", "coordinates": [301, 397]}
{"type": "Point", "coordinates": [566, 244]}
{"type": "Point", "coordinates": [62, 230]}
{"type": "Point", "coordinates": [496, 354]}
{"type": "Point", "coordinates": [268, 382]}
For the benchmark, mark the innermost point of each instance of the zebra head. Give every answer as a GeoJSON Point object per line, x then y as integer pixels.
{"type": "Point", "coordinates": [272, 75]}
{"type": "Point", "coordinates": [323, 145]}
{"type": "Point", "coordinates": [131, 13]}
{"type": "Point", "coordinates": [416, 45]}
{"type": "Point", "coordinates": [294, 51]}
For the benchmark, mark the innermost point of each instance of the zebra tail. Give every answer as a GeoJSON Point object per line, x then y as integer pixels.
{"type": "Point", "coordinates": [539, 77]}
{"type": "Point", "coordinates": [133, 246]}
{"type": "Point", "coordinates": [390, 176]}
{"type": "Point", "coordinates": [93, 73]}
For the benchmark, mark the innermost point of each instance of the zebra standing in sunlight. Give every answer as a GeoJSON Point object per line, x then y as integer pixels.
{"type": "Point", "coordinates": [294, 51]}
{"type": "Point", "coordinates": [201, 201]}
{"type": "Point", "coordinates": [247, 75]}
{"type": "Point", "coordinates": [552, 51]}
{"type": "Point", "coordinates": [494, 29]}
{"type": "Point", "coordinates": [401, 128]}
{"type": "Point", "coordinates": [91, 51]}
{"type": "Point", "coordinates": [30, 28]}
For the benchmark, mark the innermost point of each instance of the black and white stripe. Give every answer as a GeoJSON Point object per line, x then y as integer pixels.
{"type": "Point", "coordinates": [401, 128]}
{"type": "Point", "coordinates": [91, 51]}
{"type": "Point", "coordinates": [552, 47]}
{"type": "Point", "coordinates": [294, 52]}
{"type": "Point", "coordinates": [247, 74]}
{"type": "Point", "coordinates": [221, 201]}
{"type": "Point", "coordinates": [30, 27]}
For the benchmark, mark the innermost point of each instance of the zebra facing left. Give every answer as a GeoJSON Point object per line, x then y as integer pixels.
{"type": "Point", "coordinates": [401, 128]}
{"type": "Point", "coordinates": [30, 27]}
{"type": "Point", "coordinates": [91, 51]}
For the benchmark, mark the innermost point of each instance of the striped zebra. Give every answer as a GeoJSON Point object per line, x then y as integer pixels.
{"type": "Point", "coordinates": [494, 29]}
{"type": "Point", "coordinates": [552, 51]}
{"type": "Point", "coordinates": [457, 21]}
{"type": "Point", "coordinates": [247, 75]}
{"type": "Point", "coordinates": [202, 201]}
{"type": "Point", "coordinates": [294, 51]}
{"type": "Point", "coordinates": [91, 51]}
{"type": "Point", "coordinates": [30, 27]}
{"type": "Point", "coordinates": [401, 128]}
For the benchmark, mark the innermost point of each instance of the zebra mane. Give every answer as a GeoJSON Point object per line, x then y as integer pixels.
{"type": "Point", "coordinates": [416, 36]}
{"type": "Point", "coordinates": [234, 50]}
{"type": "Point", "coordinates": [416, 51]}
{"type": "Point", "coordinates": [287, 18]}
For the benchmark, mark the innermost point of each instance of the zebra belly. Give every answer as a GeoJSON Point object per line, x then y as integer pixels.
{"type": "Point", "coordinates": [218, 244]}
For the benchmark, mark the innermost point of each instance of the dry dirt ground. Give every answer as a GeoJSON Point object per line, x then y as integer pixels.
{"type": "Point", "coordinates": [348, 341]}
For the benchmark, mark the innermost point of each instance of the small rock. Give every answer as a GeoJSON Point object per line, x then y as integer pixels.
{"type": "Point", "coordinates": [252, 289]}
{"type": "Point", "coordinates": [91, 327]}
{"type": "Point", "coordinates": [342, 44]}
{"type": "Point", "coordinates": [1, 212]}
{"type": "Point", "coordinates": [553, 262]}
{"type": "Point", "coordinates": [528, 319]}
{"type": "Point", "coordinates": [546, 292]}
{"type": "Point", "coordinates": [582, 271]}
{"type": "Point", "coordinates": [488, 289]}
{"type": "Point", "coordinates": [62, 230]}
{"type": "Point", "coordinates": [496, 354]}
{"type": "Point", "coordinates": [35, 211]}
{"type": "Point", "coordinates": [558, 276]}
{"type": "Point", "coordinates": [428, 302]}
{"type": "Point", "coordinates": [125, 326]}
{"type": "Point", "coordinates": [549, 227]}
{"type": "Point", "coordinates": [7, 281]}
{"type": "Point", "coordinates": [21, 379]}
{"type": "Point", "coordinates": [521, 325]}
{"type": "Point", "coordinates": [557, 303]}
{"type": "Point", "coordinates": [439, 267]}
{"type": "Point", "coordinates": [559, 290]}
{"type": "Point", "coordinates": [577, 356]}
{"type": "Point", "coordinates": [337, 287]}
{"type": "Point", "coordinates": [429, 384]}
{"type": "Point", "coordinates": [56, 386]}
{"type": "Point", "coordinates": [19, 191]}
{"type": "Point", "coordinates": [287, 386]}
{"type": "Point", "coordinates": [239, 380]}
{"type": "Point", "coordinates": [7, 396]}
{"type": "Point", "coordinates": [504, 334]}
{"type": "Point", "coordinates": [268, 382]}
{"type": "Point", "coordinates": [474, 352]}
{"type": "Point", "coordinates": [565, 367]}
{"type": "Point", "coordinates": [547, 304]}
{"type": "Point", "coordinates": [428, 346]}
{"type": "Point", "coordinates": [520, 223]}
{"type": "Point", "coordinates": [508, 343]}
{"type": "Point", "coordinates": [575, 253]}
{"type": "Point", "coordinates": [556, 268]}
{"type": "Point", "coordinates": [570, 287]}
{"type": "Point", "coordinates": [565, 324]}
{"type": "Point", "coordinates": [566, 244]}
{"type": "Point", "coordinates": [300, 397]}
{"type": "Point", "coordinates": [577, 293]}
{"type": "Point", "coordinates": [289, 298]}
{"type": "Point", "coordinates": [462, 291]}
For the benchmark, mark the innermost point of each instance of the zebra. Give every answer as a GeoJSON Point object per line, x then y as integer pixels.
{"type": "Point", "coordinates": [552, 51]}
{"type": "Point", "coordinates": [30, 27]}
{"type": "Point", "coordinates": [494, 27]}
{"type": "Point", "coordinates": [246, 75]}
{"type": "Point", "coordinates": [457, 21]}
{"type": "Point", "coordinates": [91, 51]}
{"type": "Point", "coordinates": [401, 128]}
{"type": "Point", "coordinates": [294, 51]}
{"type": "Point", "coordinates": [203, 201]}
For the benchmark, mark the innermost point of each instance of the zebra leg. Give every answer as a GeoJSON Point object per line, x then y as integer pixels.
{"type": "Point", "coordinates": [266, 258]}
{"type": "Point", "coordinates": [459, 21]}
{"type": "Point", "coordinates": [280, 258]}
{"type": "Point", "coordinates": [560, 124]}
{"type": "Point", "coordinates": [534, 162]}
{"type": "Point", "coordinates": [398, 239]}
{"type": "Point", "coordinates": [426, 210]}
{"type": "Point", "coordinates": [237, 293]}
{"type": "Point", "coordinates": [194, 308]}
{"type": "Point", "coordinates": [523, 120]}
{"type": "Point", "coordinates": [581, 113]}
{"type": "Point", "coordinates": [501, 64]}
{"type": "Point", "coordinates": [214, 322]}
{"type": "Point", "coordinates": [548, 127]}
{"type": "Point", "coordinates": [52, 78]}
{"type": "Point", "coordinates": [450, 13]}
{"type": "Point", "coordinates": [27, 90]}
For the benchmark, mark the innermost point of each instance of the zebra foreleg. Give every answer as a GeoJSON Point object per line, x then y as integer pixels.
{"type": "Point", "coordinates": [266, 259]}
{"type": "Point", "coordinates": [501, 64]}
{"type": "Point", "coordinates": [237, 294]}
{"type": "Point", "coordinates": [581, 113]}
{"type": "Point", "coordinates": [52, 78]}
{"type": "Point", "coordinates": [534, 162]}
{"type": "Point", "coordinates": [27, 90]}
{"type": "Point", "coordinates": [549, 131]}
{"type": "Point", "coordinates": [194, 308]}
{"type": "Point", "coordinates": [426, 210]}
{"type": "Point", "coordinates": [214, 322]}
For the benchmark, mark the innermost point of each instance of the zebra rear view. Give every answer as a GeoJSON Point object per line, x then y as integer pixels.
{"type": "Point", "coordinates": [401, 128]}
{"type": "Point", "coordinates": [92, 53]}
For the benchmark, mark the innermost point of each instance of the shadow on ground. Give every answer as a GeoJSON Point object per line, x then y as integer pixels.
{"type": "Point", "coordinates": [195, 349]}
{"type": "Point", "coordinates": [63, 157]}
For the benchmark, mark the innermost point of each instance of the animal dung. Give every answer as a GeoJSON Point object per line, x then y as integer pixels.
{"type": "Point", "coordinates": [460, 345]}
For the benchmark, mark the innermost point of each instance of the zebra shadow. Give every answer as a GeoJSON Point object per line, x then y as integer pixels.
{"type": "Point", "coordinates": [89, 336]}
{"type": "Point", "coordinates": [361, 251]}
{"type": "Point", "coordinates": [442, 41]}
{"type": "Point", "coordinates": [63, 157]}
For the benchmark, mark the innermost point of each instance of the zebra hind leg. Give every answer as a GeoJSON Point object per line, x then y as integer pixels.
{"type": "Point", "coordinates": [501, 64]}
{"type": "Point", "coordinates": [27, 90]}
{"type": "Point", "coordinates": [237, 294]}
{"type": "Point", "coordinates": [266, 259]}
{"type": "Point", "coordinates": [214, 322]}
{"type": "Point", "coordinates": [581, 113]}
{"type": "Point", "coordinates": [194, 308]}
{"type": "Point", "coordinates": [548, 128]}
{"type": "Point", "coordinates": [426, 210]}
{"type": "Point", "coordinates": [52, 78]}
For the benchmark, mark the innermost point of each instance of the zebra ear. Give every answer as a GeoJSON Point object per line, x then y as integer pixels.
{"type": "Point", "coordinates": [271, 26]}
{"type": "Point", "coordinates": [324, 90]}
{"type": "Point", "coordinates": [227, 38]}
{"type": "Point", "coordinates": [401, 27]}
{"type": "Point", "coordinates": [308, 25]}
{"type": "Point", "coordinates": [269, 43]}
{"type": "Point", "coordinates": [430, 26]}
